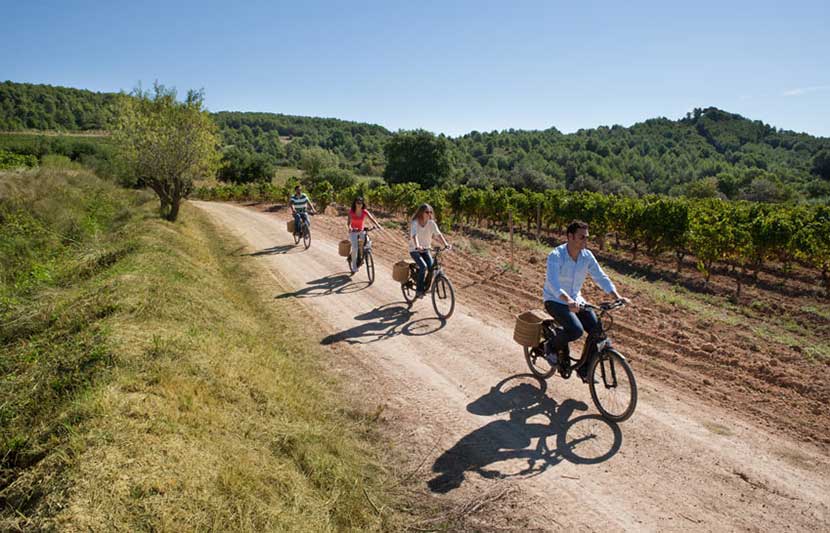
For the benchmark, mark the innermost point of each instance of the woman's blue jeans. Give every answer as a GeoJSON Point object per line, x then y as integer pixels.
{"type": "Point", "coordinates": [423, 261]}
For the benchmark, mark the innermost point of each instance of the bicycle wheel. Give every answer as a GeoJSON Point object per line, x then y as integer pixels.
{"type": "Point", "coordinates": [370, 267]}
{"type": "Point", "coordinates": [537, 363]}
{"type": "Point", "coordinates": [296, 237]}
{"type": "Point", "coordinates": [443, 297]}
{"type": "Point", "coordinates": [306, 237]}
{"type": "Point", "coordinates": [612, 385]}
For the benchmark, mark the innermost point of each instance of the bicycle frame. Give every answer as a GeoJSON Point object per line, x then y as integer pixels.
{"type": "Point", "coordinates": [595, 342]}
{"type": "Point", "coordinates": [364, 243]}
{"type": "Point", "coordinates": [436, 269]}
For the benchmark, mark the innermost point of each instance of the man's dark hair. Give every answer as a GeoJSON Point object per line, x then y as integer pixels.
{"type": "Point", "coordinates": [576, 225]}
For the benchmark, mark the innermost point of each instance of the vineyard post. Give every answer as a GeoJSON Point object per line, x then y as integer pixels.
{"type": "Point", "coordinates": [510, 219]}
{"type": "Point", "coordinates": [538, 220]}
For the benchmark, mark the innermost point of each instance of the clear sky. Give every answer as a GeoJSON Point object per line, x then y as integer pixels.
{"type": "Point", "coordinates": [446, 66]}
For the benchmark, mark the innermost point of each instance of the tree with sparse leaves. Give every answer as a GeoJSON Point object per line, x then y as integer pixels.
{"type": "Point", "coordinates": [165, 143]}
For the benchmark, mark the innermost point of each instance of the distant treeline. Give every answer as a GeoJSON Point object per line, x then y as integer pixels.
{"type": "Point", "coordinates": [708, 153]}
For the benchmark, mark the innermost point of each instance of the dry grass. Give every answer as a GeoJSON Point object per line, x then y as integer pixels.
{"type": "Point", "coordinates": [211, 413]}
{"type": "Point", "coordinates": [218, 420]}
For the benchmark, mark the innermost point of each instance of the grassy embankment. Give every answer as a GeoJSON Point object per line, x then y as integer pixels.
{"type": "Point", "coordinates": [146, 384]}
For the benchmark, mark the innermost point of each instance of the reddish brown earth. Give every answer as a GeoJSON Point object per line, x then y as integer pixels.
{"type": "Point", "coordinates": [731, 433]}
{"type": "Point", "coordinates": [772, 382]}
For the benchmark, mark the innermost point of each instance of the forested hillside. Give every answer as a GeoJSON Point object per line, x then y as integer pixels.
{"type": "Point", "coordinates": [43, 107]}
{"type": "Point", "coordinates": [708, 153]}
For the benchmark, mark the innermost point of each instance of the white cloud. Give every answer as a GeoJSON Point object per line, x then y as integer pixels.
{"type": "Point", "coordinates": [805, 90]}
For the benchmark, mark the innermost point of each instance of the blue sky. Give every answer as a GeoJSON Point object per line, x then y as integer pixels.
{"type": "Point", "coordinates": [446, 66]}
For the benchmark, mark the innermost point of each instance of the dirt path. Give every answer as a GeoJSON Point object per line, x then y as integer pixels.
{"type": "Point", "coordinates": [458, 395]}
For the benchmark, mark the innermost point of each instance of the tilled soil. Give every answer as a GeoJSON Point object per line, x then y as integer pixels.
{"type": "Point", "coordinates": [727, 434]}
{"type": "Point", "coordinates": [724, 365]}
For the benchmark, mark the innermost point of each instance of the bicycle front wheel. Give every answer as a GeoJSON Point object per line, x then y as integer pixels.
{"type": "Point", "coordinates": [306, 237]}
{"type": "Point", "coordinates": [443, 297]}
{"type": "Point", "coordinates": [612, 385]}
{"type": "Point", "coordinates": [370, 267]}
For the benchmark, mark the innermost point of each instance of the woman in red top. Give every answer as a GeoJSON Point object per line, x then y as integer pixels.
{"type": "Point", "coordinates": [357, 219]}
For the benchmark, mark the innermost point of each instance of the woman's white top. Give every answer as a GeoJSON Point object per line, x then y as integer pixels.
{"type": "Point", "coordinates": [424, 233]}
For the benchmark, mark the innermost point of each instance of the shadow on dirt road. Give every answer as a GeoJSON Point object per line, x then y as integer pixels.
{"type": "Point", "coordinates": [385, 322]}
{"type": "Point", "coordinates": [503, 449]}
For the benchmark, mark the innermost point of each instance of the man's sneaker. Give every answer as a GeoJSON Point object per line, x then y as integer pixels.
{"type": "Point", "coordinates": [419, 294]}
{"type": "Point", "coordinates": [550, 354]}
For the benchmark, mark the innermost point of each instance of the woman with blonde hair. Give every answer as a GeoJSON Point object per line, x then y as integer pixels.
{"type": "Point", "coordinates": [420, 238]}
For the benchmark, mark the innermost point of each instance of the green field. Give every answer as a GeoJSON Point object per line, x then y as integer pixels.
{"type": "Point", "coordinates": [148, 384]}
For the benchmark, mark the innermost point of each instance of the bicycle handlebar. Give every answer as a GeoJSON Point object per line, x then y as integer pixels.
{"type": "Point", "coordinates": [606, 306]}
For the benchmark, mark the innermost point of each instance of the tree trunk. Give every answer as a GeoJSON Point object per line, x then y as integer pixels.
{"type": "Point", "coordinates": [173, 214]}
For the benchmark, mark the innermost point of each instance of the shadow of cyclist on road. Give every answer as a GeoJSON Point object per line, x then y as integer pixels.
{"type": "Point", "coordinates": [275, 250]}
{"type": "Point", "coordinates": [332, 284]}
{"type": "Point", "coordinates": [539, 434]}
{"type": "Point", "coordinates": [383, 323]}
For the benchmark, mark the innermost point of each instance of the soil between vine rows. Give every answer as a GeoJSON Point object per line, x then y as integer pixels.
{"type": "Point", "coordinates": [729, 429]}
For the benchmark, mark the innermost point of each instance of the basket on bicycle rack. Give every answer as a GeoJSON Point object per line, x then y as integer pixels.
{"type": "Point", "coordinates": [528, 328]}
{"type": "Point", "coordinates": [344, 248]}
{"type": "Point", "coordinates": [400, 271]}
{"type": "Point", "coordinates": [290, 226]}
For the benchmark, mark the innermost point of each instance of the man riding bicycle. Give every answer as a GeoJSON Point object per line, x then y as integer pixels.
{"type": "Point", "coordinates": [299, 202]}
{"type": "Point", "coordinates": [568, 265]}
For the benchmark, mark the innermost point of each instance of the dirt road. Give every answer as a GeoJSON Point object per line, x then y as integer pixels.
{"type": "Point", "coordinates": [459, 396]}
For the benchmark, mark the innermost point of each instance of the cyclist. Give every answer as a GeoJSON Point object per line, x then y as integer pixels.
{"type": "Point", "coordinates": [568, 265]}
{"type": "Point", "coordinates": [357, 219]}
{"type": "Point", "coordinates": [299, 202]}
{"type": "Point", "coordinates": [420, 237]}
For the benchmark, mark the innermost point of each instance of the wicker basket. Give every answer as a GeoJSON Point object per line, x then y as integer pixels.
{"type": "Point", "coordinates": [400, 271]}
{"type": "Point", "coordinates": [344, 248]}
{"type": "Point", "coordinates": [528, 329]}
{"type": "Point", "coordinates": [290, 226]}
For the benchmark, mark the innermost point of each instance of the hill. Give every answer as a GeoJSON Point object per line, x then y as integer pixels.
{"type": "Point", "coordinates": [709, 152]}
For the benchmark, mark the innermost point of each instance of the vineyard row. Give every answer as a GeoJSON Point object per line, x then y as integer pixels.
{"type": "Point", "coordinates": [743, 235]}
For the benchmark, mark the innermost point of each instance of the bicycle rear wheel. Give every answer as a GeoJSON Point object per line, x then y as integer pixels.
{"type": "Point", "coordinates": [612, 385]}
{"type": "Point", "coordinates": [443, 297]}
{"type": "Point", "coordinates": [370, 266]}
{"type": "Point", "coordinates": [306, 236]}
{"type": "Point", "coordinates": [537, 362]}
{"type": "Point", "coordinates": [296, 235]}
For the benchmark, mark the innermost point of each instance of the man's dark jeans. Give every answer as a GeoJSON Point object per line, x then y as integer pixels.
{"type": "Point", "coordinates": [574, 324]}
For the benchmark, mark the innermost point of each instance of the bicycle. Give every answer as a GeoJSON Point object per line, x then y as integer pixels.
{"type": "Point", "coordinates": [618, 387]}
{"type": "Point", "coordinates": [304, 231]}
{"type": "Point", "coordinates": [364, 254]}
{"type": "Point", "coordinates": [443, 295]}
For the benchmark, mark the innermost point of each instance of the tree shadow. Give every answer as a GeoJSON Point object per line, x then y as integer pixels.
{"type": "Point", "coordinates": [538, 434]}
{"type": "Point", "coordinates": [384, 322]}
{"type": "Point", "coordinates": [339, 283]}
